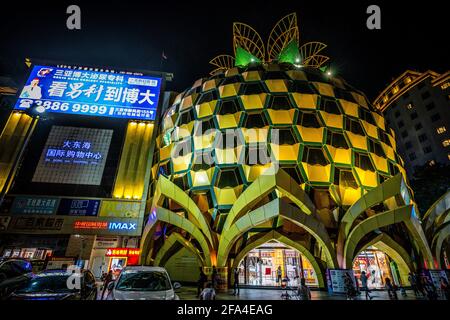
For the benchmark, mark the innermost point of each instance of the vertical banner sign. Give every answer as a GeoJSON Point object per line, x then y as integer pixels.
{"type": "Point", "coordinates": [94, 93]}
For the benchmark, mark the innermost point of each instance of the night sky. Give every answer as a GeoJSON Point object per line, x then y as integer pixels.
{"type": "Point", "coordinates": [132, 35]}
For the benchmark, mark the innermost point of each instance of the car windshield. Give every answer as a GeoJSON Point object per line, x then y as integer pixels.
{"type": "Point", "coordinates": [143, 281]}
{"type": "Point", "coordinates": [50, 283]}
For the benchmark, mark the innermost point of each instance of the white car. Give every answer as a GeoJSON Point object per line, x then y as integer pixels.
{"type": "Point", "coordinates": [143, 283]}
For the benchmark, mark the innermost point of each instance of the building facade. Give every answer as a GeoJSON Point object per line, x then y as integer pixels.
{"type": "Point", "coordinates": [416, 106]}
{"type": "Point", "coordinates": [273, 149]}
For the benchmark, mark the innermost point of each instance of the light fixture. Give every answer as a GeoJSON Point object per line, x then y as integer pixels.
{"type": "Point", "coordinates": [297, 60]}
{"type": "Point", "coordinates": [252, 60]}
{"type": "Point", "coordinates": [329, 73]}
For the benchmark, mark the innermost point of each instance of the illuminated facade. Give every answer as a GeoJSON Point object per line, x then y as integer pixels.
{"type": "Point", "coordinates": [416, 106]}
{"type": "Point", "coordinates": [326, 179]}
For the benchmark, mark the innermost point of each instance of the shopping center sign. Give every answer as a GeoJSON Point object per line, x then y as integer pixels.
{"type": "Point", "coordinates": [94, 93]}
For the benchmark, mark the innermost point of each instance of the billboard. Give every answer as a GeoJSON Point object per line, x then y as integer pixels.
{"type": "Point", "coordinates": [73, 155]}
{"type": "Point", "coordinates": [93, 93]}
{"type": "Point", "coordinates": [78, 207]}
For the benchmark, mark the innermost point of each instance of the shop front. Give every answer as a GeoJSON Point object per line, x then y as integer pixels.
{"type": "Point", "coordinates": [377, 266]}
{"type": "Point", "coordinates": [261, 266]}
{"type": "Point", "coordinates": [119, 258]}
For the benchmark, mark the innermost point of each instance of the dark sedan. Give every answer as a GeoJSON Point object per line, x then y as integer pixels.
{"type": "Point", "coordinates": [57, 285]}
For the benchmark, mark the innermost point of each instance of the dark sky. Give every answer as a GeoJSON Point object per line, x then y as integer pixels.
{"type": "Point", "coordinates": [132, 34]}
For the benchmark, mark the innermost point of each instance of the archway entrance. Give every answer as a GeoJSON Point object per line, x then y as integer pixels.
{"type": "Point", "coordinates": [378, 266]}
{"type": "Point", "coordinates": [260, 266]}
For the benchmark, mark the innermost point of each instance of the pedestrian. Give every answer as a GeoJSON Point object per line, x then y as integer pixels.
{"type": "Point", "coordinates": [303, 291]}
{"type": "Point", "coordinates": [430, 289]}
{"type": "Point", "coordinates": [279, 274]}
{"type": "Point", "coordinates": [208, 293]}
{"type": "Point", "coordinates": [364, 286]}
{"type": "Point", "coordinates": [214, 278]}
{"type": "Point", "coordinates": [445, 288]}
{"type": "Point", "coordinates": [413, 281]}
{"type": "Point", "coordinates": [419, 284]}
{"type": "Point", "coordinates": [201, 282]}
{"type": "Point", "coordinates": [349, 287]}
{"type": "Point", "coordinates": [108, 278]}
{"type": "Point", "coordinates": [236, 282]}
{"type": "Point", "coordinates": [390, 289]}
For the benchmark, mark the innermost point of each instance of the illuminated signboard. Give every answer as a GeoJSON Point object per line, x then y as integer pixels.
{"type": "Point", "coordinates": [120, 209]}
{"type": "Point", "coordinates": [34, 205]}
{"type": "Point", "coordinates": [105, 225]}
{"type": "Point", "coordinates": [93, 93]}
{"type": "Point", "coordinates": [122, 252]}
{"type": "Point", "coordinates": [73, 155]}
{"type": "Point", "coordinates": [78, 207]}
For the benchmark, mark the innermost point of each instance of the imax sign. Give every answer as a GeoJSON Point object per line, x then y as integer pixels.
{"type": "Point", "coordinates": [122, 226]}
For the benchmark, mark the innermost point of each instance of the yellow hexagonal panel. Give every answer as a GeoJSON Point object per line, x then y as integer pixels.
{"type": "Point", "coordinates": [209, 84]}
{"type": "Point", "coordinates": [356, 140]}
{"type": "Point", "coordinates": [255, 135]}
{"type": "Point", "coordinates": [188, 101]}
{"type": "Point", "coordinates": [296, 75]}
{"type": "Point", "coordinates": [254, 101]}
{"type": "Point", "coordinates": [229, 90]}
{"type": "Point", "coordinates": [281, 116]}
{"type": "Point", "coordinates": [285, 152]}
{"type": "Point", "coordinates": [317, 173]}
{"type": "Point", "coordinates": [333, 120]}
{"type": "Point", "coordinates": [381, 164]}
{"type": "Point", "coordinates": [204, 141]}
{"type": "Point", "coordinates": [165, 152]}
{"type": "Point", "coordinates": [370, 129]}
{"type": "Point", "coordinates": [324, 89]}
{"type": "Point", "coordinates": [362, 101]}
{"type": "Point", "coordinates": [228, 120]}
{"type": "Point", "coordinates": [181, 163]}
{"type": "Point", "coordinates": [251, 75]}
{"type": "Point", "coordinates": [340, 155]}
{"type": "Point", "coordinates": [253, 172]}
{"type": "Point", "coordinates": [350, 108]}
{"type": "Point", "coordinates": [379, 120]}
{"type": "Point", "coordinates": [228, 156]}
{"type": "Point", "coordinates": [367, 178]}
{"type": "Point", "coordinates": [305, 101]}
{"type": "Point", "coordinates": [277, 85]}
{"type": "Point", "coordinates": [205, 109]}
{"type": "Point", "coordinates": [311, 134]}
{"type": "Point", "coordinates": [202, 177]}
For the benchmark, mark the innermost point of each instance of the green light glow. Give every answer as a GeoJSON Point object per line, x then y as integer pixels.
{"type": "Point", "coordinates": [290, 53]}
{"type": "Point", "coordinates": [244, 58]}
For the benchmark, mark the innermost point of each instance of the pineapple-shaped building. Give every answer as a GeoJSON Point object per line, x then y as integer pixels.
{"type": "Point", "coordinates": [273, 146]}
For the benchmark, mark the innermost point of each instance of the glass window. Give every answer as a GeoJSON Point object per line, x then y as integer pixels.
{"type": "Point", "coordinates": [397, 114]}
{"type": "Point", "coordinates": [430, 106]}
{"type": "Point", "coordinates": [329, 106]}
{"type": "Point", "coordinates": [418, 126]}
{"type": "Point", "coordinates": [228, 139]}
{"type": "Point", "coordinates": [425, 95]}
{"type": "Point", "coordinates": [314, 156]}
{"type": "Point", "coordinates": [427, 149]}
{"type": "Point", "coordinates": [186, 117]}
{"type": "Point", "coordinates": [404, 134]}
{"type": "Point", "coordinates": [363, 161]}
{"type": "Point", "coordinates": [347, 179]}
{"type": "Point", "coordinates": [384, 137]}
{"type": "Point", "coordinates": [366, 115]}
{"type": "Point", "coordinates": [256, 155]}
{"type": "Point", "coordinates": [354, 126]}
{"type": "Point", "coordinates": [376, 148]}
{"type": "Point", "coordinates": [412, 156]}
{"type": "Point", "coordinates": [401, 124]}
{"type": "Point", "coordinates": [143, 281]}
{"type": "Point", "coordinates": [255, 120]}
{"type": "Point", "coordinates": [283, 136]}
{"type": "Point", "coordinates": [413, 115]}
{"type": "Point", "coordinates": [280, 103]}
{"type": "Point", "coordinates": [308, 120]}
{"type": "Point", "coordinates": [252, 88]}
{"type": "Point", "coordinates": [202, 161]}
{"type": "Point", "coordinates": [336, 139]}
{"type": "Point", "coordinates": [208, 96]}
{"type": "Point", "coordinates": [229, 178]}
{"type": "Point", "coordinates": [423, 137]}
{"type": "Point", "coordinates": [301, 87]}
{"type": "Point", "coordinates": [205, 127]}
{"type": "Point", "coordinates": [408, 145]}
{"type": "Point", "coordinates": [435, 117]}
{"type": "Point", "coordinates": [228, 106]}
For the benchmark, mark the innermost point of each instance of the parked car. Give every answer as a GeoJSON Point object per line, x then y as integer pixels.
{"type": "Point", "coordinates": [12, 268]}
{"type": "Point", "coordinates": [143, 283]}
{"type": "Point", "coordinates": [56, 285]}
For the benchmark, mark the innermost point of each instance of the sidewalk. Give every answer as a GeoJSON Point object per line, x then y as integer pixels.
{"type": "Point", "coordinates": [190, 293]}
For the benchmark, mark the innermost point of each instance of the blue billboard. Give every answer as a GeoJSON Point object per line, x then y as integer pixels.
{"type": "Point", "coordinates": [93, 93]}
{"type": "Point", "coordinates": [78, 207]}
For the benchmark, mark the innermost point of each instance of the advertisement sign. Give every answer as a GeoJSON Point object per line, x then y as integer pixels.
{"type": "Point", "coordinates": [78, 207]}
{"type": "Point", "coordinates": [435, 276]}
{"type": "Point", "coordinates": [34, 205]}
{"type": "Point", "coordinates": [122, 252]}
{"type": "Point", "coordinates": [93, 93]}
{"type": "Point", "coordinates": [33, 223]}
{"type": "Point", "coordinates": [73, 155]}
{"type": "Point", "coordinates": [113, 226]}
{"type": "Point", "coordinates": [104, 242]}
{"type": "Point", "coordinates": [336, 279]}
{"type": "Point", "coordinates": [120, 209]}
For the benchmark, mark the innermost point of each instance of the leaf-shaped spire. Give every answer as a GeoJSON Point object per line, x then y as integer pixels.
{"type": "Point", "coordinates": [248, 39]}
{"type": "Point", "coordinates": [284, 32]}
{"type": "Point", "coordinates": [310, 49]}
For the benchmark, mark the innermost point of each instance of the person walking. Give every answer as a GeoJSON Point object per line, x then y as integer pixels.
{"type": "Point", "coordinates": [390, 289]}
{"type": "Point", "coordinates": [236, 282]}
{"type": "Point", "coordinates": [445, 288]}
{"type": "Point", "coordinates": [279, 274]}
{"type": "Point", "coordinates": [364, 286]}
{"type": "Point", "coordinates": [201, 282]}
{"type": "Point", "coordinates": [349, 287]}
{"type": "Point", "coordinates": [430, 289]}
{"type": "Point", "coordinates": [108, 278]}
{"type": "Point", "coordinates": [413, 281]}
{"type": "Point", "coordinates": [214, 278]}
{"type": "Point", "coordinates": [208, 293]}
{"type": "Point", "coordinates": [304, 293]}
